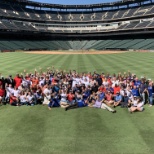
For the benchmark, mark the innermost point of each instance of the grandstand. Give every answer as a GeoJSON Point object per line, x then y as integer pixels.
{"type": "Point", "coordinates": [122, 25]}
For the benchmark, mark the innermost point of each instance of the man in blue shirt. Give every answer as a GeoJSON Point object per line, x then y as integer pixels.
{"type": "Point", "coordinates": [137, 82]}
{"type": "Point", "coordinates": [125, 101]}
{"type": "Point", "coordinates": [101, 96]}
{"type": "Point", "coordinates": [135, 91]}
{"type": "Point", "coordinates": [117, 99]}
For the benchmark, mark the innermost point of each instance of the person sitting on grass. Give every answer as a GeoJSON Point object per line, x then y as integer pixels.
{"type": "Point", "coordinates": [78, 103]}
{"type": "Point", "coordinates": [86, 94]}
{"type": "Point", "coordinates": [109, 98]}
{"type": "Point", "coordinates": [38, 97]}
{"type": "Point", "coordinates": [2, 94]}
{"type": "Point", "coordinates": [126, 101]}
{"type": "Point", "coordinates": [30, 99]}
{"type": "Point", "coordinates": [14, 100]}
{"type": "Point", "coordinates": [99, 104]}
{"type": "Point", "coordinates": [117, 99]}
{"type": "Point", "coordinates": [63, 101]}
{"type": "Point", "coordinates": [137, 105]}
{"type": "Point", "coordinates": [23, 98]}
{"type": "Point", "coordinates": [54, 101]}
{"type": "Point", "coordinates": [47, 98]}
{"type": "Point", "coordinates": [71, 97]}
{"type": "Point", "coordinates": [92, 99]}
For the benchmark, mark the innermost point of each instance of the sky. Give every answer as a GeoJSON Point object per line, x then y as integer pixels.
{"type": "Point", "coordinates": [69, 2]}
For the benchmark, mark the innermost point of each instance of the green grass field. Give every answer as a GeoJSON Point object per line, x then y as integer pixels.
{"type": "Point", "coordinates": [35, 130]}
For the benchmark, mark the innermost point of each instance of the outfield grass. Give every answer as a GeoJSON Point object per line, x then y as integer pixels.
{"type": "Point", "coordinates": [80, 131]}
{"type": "Point", "coordinates": [139, 63]}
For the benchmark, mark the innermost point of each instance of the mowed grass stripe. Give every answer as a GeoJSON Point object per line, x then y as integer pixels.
{"type": "Point", "coordinates": [19, 125]}
{"type": "Point", "coordinates": [82, 60]}
{"type": "Point", "coordinates": [95, 63]}
{"type": "Point", "coordinates": [67, 59]}
{"type": "Point", "coordinates": [124, 58]}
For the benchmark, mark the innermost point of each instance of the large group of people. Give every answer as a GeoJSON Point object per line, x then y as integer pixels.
{"type": "Point", "coordinates": [69, 90]}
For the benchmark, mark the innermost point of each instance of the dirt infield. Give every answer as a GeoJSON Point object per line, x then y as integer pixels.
{"type": "Point", "coordinates": [74, 52]}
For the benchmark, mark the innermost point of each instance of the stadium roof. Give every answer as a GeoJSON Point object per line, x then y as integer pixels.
{"type": "Point", "coordinates": [90, 6]}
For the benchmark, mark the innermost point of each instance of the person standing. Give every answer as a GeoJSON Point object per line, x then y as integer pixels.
{"type": "Point", "coordinates": [17, 80]}
{"type": "Point", "coordinates": [150, 90]}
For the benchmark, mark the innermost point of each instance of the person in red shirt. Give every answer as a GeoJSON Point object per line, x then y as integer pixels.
{"type": "Point", "coordinates": [13, 100]}
{"type": "Point", "coordinates": [2, 94]}
{"type": "Point", "coordinates": [109, 98]}
{"type": "Point", "coordinates": [102, 88]}
{"type": "Point", "coordinates": [116, 89]}
{"type": "Point", "coordinates": [17, 80]}
{"type": "Point", "coordinates": [35, 81]}
{"type": "Point", "coordinates": [71, 97]}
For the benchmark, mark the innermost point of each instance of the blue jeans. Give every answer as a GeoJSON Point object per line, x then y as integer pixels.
{"type": "Point", "coordinates": [23, 103]}
{"type": "Point", "coordinates": [143, 97]}
{"type": "Point", "coordinates": [151, 100]}
{"type": "Point", "coordinates": [54, 103]}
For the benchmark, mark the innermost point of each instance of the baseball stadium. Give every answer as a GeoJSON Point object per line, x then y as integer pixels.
{"type": "Point", "coordinates": [76, 78]}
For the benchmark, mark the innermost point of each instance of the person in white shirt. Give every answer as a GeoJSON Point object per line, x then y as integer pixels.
{"type": "Point", "coordinates": [137, 105]}
{"type": "Point", "coordinates": [23, 98]}
{"type": "Point", "coordinates": [47, 90]}
{"type": "Point", "coordinates": [47, 98]}
{"type": "Point", "coordinates": [25, 83]}
{"type": "Point", "coordinates": [42, 81]}
{"type": "Point", "coordinates": [9, 91]}
{"type": "Point", "coordinates": [85, 82]}
{"type": "Point", "coordinates": [16, 92]}
{"type": "Point", "coordinates": [129, 92]}
{"type": "Point", "coordinates": [30, 99]}
{"type": "Point", "coordinates": [122, 91]}
{"type": "Point", "coordinates": [85, 77]}
{"type": "Point", "coordinates": [76, 80]}
{"type": "Point", "coordinates": [92, 82]}
{"type": "Point", "coordinates": [114, 82]}
{"type": "Point", "coordinates": [105, 82]}
{"type": "Point", "coordinates": [63, 101]}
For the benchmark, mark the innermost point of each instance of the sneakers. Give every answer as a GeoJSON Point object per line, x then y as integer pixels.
{"type": "Point", "coordinates": [150, 105]}
{"type": "Point", "coordinates": [129, 110]}
{"type": "Point", "coordinates": [49, 108]}
{"type": "Point", "coordinates": [114, 111]}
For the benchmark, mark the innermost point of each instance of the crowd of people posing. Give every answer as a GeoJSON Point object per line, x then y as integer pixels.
{"type": "Point", "coordinates": [71, 89]}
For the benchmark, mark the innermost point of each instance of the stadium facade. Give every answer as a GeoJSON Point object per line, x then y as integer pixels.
{"type": "Point", "coordinates": [28, 25]}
